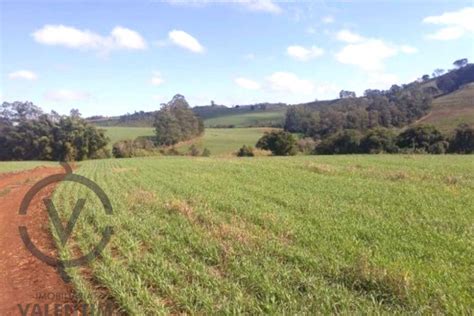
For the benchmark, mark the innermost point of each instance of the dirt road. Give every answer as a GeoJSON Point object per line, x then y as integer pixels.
{"type": "Point", "coordinates": [23, 278]}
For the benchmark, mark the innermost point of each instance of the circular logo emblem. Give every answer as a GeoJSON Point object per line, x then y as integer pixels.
{"type": "Point", "coordinates": [64, 232]}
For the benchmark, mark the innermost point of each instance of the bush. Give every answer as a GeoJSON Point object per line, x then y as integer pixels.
{"type": "Point", "coordinates": [133, 148]}
{"type": "Point", "coordinates": [378, 141]}
{"type": "Point", "coordinates": [280, 143]}
{"type": "Point", "coordinates": [423, 139]}
{"type": "Point", "coordinates": [194, 150]}
{"type": "Point", "coordinates": [206, 152]}
{"type": "Point", "coordinates": [306, 145]}
{"type": "Point", "coordinates": [245, 151]}
{"type": "Point", "coordinates": [463, 140]}
{"type": "Point", "coordinates": [345, 142]}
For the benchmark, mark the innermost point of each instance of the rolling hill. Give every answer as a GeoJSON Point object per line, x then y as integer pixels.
{"type": "Point", "coordinates": [452, 109]}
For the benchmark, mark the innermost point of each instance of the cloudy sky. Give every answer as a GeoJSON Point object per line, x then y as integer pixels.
{"type": "Point", "coordinates": [113, 57]}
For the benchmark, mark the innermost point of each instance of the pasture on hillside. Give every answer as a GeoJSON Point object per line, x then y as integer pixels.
{"type": "Point", "coordinates": [256, 119]}
{"type": "Point", "coordinates": [220, 141]}
{"type": "Point", "coordinates": [451, 110]}
{"type": "Point", "coordinates": [278, 235]}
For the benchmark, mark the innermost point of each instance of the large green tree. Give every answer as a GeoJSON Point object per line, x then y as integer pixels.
{"type": "Point", "coordinates": [176, 122]}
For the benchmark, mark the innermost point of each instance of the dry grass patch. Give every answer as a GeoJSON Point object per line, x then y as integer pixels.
{"type": "Point", "coordinates": [383, 285]}
{"type": "Point", "coordinates": [320, 168]}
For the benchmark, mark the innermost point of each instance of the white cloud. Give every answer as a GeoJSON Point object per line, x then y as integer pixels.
{"type": "Point", "coordinates": [186, 41]}
{"type": "Point", "coordinates": [304, 54]}
{"type": "Point", "coordinates": [287, 82]}
{"type": "Point", "coordinates": [348, 36]}
{"type": "Point", "coordinates": [454, 24]}
{"type": "Point", "coordinates": [261, 5]}
{"type": "Point", "coordinates": [247, 83]}
{"type": "Point", "coordinates": [126, 38]}
{"type": "Point", "coordinates": [23, 74]}
{"type": "Point", "coordinates": [61, 35]}
{"type": "Point", "coordinates": [447, 33]}
{"type": "Point", "coordinates": [407, 49]}
{"type": "Point", "coordinates": [156, 79]}
{"type": "Point", "coordinates": [66, 95]}
{"type": "Point", "coordinates": [328, 19]}
{"type": "Point", "coordinates": [368, 55]}
{"type": "Point", "coordinates": [268, 6]}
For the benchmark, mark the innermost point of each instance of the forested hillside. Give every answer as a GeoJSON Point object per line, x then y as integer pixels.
{"type": "Point", "coordinates": [394, 108]}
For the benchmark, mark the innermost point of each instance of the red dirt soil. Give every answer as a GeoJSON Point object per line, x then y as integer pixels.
{"type": "Point", "coordinates": [23, 277]}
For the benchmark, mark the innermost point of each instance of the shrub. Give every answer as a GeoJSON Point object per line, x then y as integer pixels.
{"type": "Point", "coordinates": [463, 140]}
{"type": "Point", "coordinates": [133, 148]}
{"type": "Point", "coordinates": [245, 151]}
{"type": "Point", "coordinates": [345, 142]}
{"type": "Point", "coordinates": [423, 139]}
{"type": "Point", "coordinates": [206, 152]}
{"type": "Point", "coordinates": [194, 150]}
{"type": "Point", "coordinates": [306, 145]}
{"type": "Point", "coordinates": [378, 141]}
{"type": "Point", "coordinates": [280, 143]}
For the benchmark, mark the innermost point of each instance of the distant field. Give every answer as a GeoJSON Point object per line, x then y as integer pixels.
{"type": "Point", "coordinates": [291, 235]}
{"type": "Point", "coordinates": [220, 141]}
{"type": "Point", "coordinates": [13, 166]}
{"type": "Point", "coordinates": [248, 119]}
{"type": "Point", "coordinates": [451, 110]}
{"type": "Point", "coordinates": [121, 133]}
{"type": "Point", "coordinates": [225, 141]}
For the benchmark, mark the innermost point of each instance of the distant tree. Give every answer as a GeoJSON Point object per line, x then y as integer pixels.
{"type": "Point", "coordinates": [74, 113]}
{"type": "Point", "coordinates": [19, 111]}
{"type": "Point", "coordinates": [463, 140]}
{"type": "Point", "coordinates": [372, 93]}
{"type": "Point", "coordinates": [245, 151]}
{"type": "Point", "coordinates": [344, 142]}
{"type": "Point", "coordinates": [280, 143]}
{"type": "Point", "coordinates": [39, 137]}
{"type": "Point", "coordinates": [213, 103]}
{"type": "Point", "coordinates": [378, 141]}
{"type": "Point", "coordinates": [438, 72]}
{"type": "Point", "coordinates": [446, 84]}
{"type": "Point", "coordinates": [423, 139]}
{"type": "Point", "coordinates": [344, 94]}
{"type": "Point", "coordinates": [176, 122]}
{"type": "Point", "coordinates": [425, 77]}
{"type": "Point", "coordinates": [460, 63]}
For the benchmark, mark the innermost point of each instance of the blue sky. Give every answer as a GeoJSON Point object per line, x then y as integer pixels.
{"type": "Point", "coordinates": [114, 57]}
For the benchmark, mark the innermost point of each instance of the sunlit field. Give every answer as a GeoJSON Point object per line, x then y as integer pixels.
{"type": "Point", "coordinates": [314, 234]}
{"type": "Point", "coordinates": [220, 141]}
{"type": "Point", "coordinates": [9, 166]}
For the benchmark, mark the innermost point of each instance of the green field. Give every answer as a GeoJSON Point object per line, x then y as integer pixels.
{"type": "Point", "coordinates": [225, 141]}
{"type": "Point", "coordinates": [290, 235]}
{"type": "Point", "coordinates": [220, 141]}
{"type": "Point", "coordinates": [9, 166]}
{"type": "Point", "coordinates": [451, 110]}
{"type": "Point", "coordinates": [121, 133]}
{"type": "Point", "coordinates": [270, 118]}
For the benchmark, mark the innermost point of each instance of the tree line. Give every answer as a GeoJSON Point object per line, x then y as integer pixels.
{"type": "Point", "coordinates": [414, 140]}
{"type": "Point", "coordinates": [27, 133]}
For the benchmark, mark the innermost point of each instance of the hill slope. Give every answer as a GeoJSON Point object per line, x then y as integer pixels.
{"type": "Point", "coordinates": [452, 109]}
